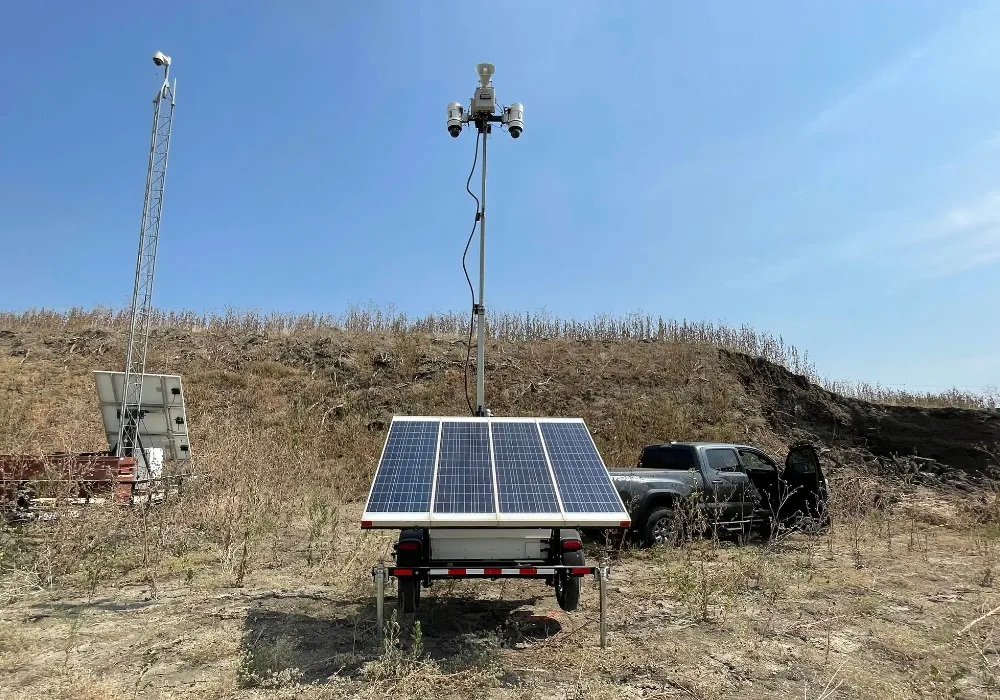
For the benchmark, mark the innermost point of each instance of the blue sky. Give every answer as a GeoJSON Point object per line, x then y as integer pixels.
{"type": "Point", "coordinates": [829, 172]}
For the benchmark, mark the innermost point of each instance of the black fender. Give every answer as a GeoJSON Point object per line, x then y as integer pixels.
{"type": "Point", "coordinates": [651, 500]}
{"type": "Point", "coordinates": [412, 557]}
{"type": "Point", "coordinates": [555, 545]}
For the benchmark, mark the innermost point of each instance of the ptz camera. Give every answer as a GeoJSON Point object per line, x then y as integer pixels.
{"type": "Point", "coordinates": [514, 117]}
{"type": "Point", "coordinates": [454, 119]}
{"type": "Point", "coordinates": [160, 59]}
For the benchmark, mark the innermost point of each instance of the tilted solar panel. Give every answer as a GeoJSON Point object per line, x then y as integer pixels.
{"type": "Point", "coordinates": [406, 470]}
{"type": "Point", "coordinates": [524, 482]}
{"type": "Point", "coordinates": [464, 475]}
{"type": "Point", "coordinates": [580, 473]}
{"type": "Point", "coordinates": [491, 472]}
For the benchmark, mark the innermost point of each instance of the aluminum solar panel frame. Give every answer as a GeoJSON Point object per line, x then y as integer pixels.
{"type": "Point", "coordinates": [164, 417]}
{"type": "Point", "coordinates": [491, 472]}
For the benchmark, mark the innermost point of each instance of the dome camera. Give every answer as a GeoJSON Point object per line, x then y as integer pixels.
{"type": "Point", "coordinates": [454, 119]}
{"type": "Point", "coordinates": [515, 119]}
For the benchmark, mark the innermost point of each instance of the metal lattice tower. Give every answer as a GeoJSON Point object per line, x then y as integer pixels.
{"type": "Point", "coordinates": [142, 294]}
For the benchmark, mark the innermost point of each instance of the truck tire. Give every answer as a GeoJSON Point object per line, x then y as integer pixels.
{"type": "Point", "coordinates": [567, 586]}
{"type": "Point", "coordinates": [658, 527]}
{"type": "Point", "coordinates": [409, 594]}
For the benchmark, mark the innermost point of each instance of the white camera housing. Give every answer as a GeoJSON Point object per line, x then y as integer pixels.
{"type": "Point", "coordinates": [456, 118]}
{"type": "Point", "coordinates": [160, 59]}
{"type": "Point", "coordinates": [514, 119]}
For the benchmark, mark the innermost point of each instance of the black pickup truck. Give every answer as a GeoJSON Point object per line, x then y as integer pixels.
{"type": "Point", "coordinates": [735, 488]}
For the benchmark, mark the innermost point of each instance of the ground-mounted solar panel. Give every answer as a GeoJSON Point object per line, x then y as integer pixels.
{"type": "Point", "coordinates": [491, 472]}
{"type": "Point", "coordinates": [164, 419]}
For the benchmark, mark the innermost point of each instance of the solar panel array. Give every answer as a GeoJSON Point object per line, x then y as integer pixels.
{"type": "Point", "coordinates": [480, 472]}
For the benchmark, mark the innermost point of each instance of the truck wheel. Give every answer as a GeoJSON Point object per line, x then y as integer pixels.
{"type": "Point", "coordinates": [409, 593]}
{"type": "Point", "coordinates": [567, 586]}
{"type": "Point", "coordinates": [659, 527]}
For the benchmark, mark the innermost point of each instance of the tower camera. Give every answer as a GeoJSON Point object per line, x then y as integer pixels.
{"type": "Point", "coordinates": [483, 108]}
{"type": "Point", "coordinates": [513, 117]}
{"type": "Point", "coordinates": [483, 113]}
{"type": "Point", "coordinates": [456, 117]}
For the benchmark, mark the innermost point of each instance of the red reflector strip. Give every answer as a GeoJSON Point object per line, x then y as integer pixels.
{"type": "Point", "coordinates": [523, 571]}
{"type": "Point", "coordinates": [409, 546]}
{"type": "Point", "coordinates": [580, 570]}
{"type": "Point", "coordinates": [625, 523]}
{"type": "Point", "coordinates": [366, 523]}
{"type": "Point", "coordinates": [403, 572]}
{"type": "Point", "coordinates": [571, 545]}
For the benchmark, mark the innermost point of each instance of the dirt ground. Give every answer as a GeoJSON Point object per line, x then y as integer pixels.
{"type": "Point", "coordinates": [257, 582]}
{"type": "Point", "coordinates": [874, 609]}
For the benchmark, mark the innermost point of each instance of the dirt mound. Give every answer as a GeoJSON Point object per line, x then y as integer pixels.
{"type": "Point", "coordinates": [335, 391]}
{"type": "Point", "coordinates": [963, 439]}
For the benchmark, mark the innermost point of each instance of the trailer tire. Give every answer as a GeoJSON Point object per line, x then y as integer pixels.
{"type": "Point", "coordinates": [568, 586]}
{"type": "Point", "coordinates": [409, 594]}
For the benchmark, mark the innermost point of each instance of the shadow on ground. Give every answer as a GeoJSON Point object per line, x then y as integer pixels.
{"type": "Point", "coordinates": [323, 637]}
{"type": "Point", "coordinates": [73, 609]}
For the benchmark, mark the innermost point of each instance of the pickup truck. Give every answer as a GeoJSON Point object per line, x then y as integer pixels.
{"type": "Point", "coordinates": [732, 487]}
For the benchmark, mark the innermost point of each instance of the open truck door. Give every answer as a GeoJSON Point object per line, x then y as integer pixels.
{"type": "Point", "coordinates": [804, 489]}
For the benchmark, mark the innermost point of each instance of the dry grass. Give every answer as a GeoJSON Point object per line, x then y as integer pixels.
{"type": "Point", "coordinates": [708, 619]}
{"type": "Point", "coordinates": [503, 327]}
{"type": "Point", "coordinates": [255, 580]}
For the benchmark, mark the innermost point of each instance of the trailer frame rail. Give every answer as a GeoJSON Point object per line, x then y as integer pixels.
{"type": "Point", "coordinates": [382, 574]}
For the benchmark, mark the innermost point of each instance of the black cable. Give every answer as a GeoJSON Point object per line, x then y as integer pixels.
{"type": "Point", "coordinates": [472, 291]}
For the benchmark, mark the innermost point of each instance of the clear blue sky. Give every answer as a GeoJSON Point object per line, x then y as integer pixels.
{"type": "Point", "coordinates": [829, 172]}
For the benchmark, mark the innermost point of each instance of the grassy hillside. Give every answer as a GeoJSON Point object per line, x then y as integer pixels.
{"type": "Point", "coordinates": [328, 386]}
{"type": "Point", "coordinates": [255, 581]}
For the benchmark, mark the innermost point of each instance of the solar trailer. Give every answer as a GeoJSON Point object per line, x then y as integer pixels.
{"type": "Point", "coordinates": [490, 497]}
{"type": "Point", "coordinates": [481, 496]}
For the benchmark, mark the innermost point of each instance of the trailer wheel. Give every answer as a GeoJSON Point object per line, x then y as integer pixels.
{"type": "Point", "coordinates": [409, 594]}
{"type": "Point", "coordinates": [567, 586]}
